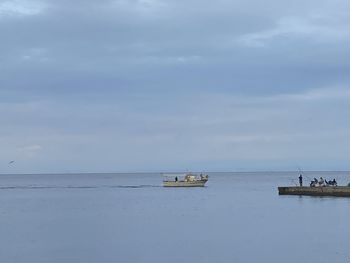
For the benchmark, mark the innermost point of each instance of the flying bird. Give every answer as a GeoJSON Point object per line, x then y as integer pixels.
{"type": "Point", "coordinates": [11, 162]}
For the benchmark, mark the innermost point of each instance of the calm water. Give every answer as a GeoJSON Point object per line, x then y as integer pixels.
{"type": "Point", "coordinates": [238, 217]}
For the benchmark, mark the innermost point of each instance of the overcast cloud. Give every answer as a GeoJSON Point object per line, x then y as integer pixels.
{"type": "Point", "coordinates": [151, 85]}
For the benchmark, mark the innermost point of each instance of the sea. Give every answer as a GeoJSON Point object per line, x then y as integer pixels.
{"type": "Point", "coordinates": [131, 218]}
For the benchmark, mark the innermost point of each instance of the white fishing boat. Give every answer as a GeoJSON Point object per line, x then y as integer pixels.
{"type": "Point", "coordinates": [185, 180]}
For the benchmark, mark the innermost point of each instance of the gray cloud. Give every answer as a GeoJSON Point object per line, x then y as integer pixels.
{"type": "Point", "coordinates": [151, 44]}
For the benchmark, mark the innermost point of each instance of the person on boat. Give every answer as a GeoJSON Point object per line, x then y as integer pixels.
{"type": "Point", "coordinates": [176, 179]}
{"type": "Point", "coordinates": [300, 180]}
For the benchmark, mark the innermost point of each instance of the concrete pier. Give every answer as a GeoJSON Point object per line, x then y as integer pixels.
{"type": "Point", "coordinates": [342, 191]}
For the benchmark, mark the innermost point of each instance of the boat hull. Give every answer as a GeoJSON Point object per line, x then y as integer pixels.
{"type": "Point", "coordinates": [341, 191]}
{"type": "Point", "coordinates": [199, 183]}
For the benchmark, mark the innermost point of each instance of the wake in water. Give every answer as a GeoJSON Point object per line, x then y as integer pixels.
{"type": "Point", "coordinates": [74, 187]}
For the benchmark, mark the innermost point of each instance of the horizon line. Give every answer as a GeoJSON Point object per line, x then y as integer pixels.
{"type": "Point", "coordinates": [161, 172]}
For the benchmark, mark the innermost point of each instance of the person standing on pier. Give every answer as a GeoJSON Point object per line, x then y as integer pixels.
{"type": "Point", "coordinates": [300, 180]}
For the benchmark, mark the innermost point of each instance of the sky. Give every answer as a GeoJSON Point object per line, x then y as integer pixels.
{"type": "Point", "coordinates": [151, 85]}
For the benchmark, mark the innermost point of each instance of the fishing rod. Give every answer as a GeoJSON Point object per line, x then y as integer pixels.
{"type": "Point", "coordinates": [303, 174]}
